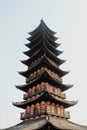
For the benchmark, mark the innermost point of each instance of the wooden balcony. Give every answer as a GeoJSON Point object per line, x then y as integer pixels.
{"type": "Point", "coordinates": [26, 96]}
{"type": "Point", "coordinates": [28, 116]}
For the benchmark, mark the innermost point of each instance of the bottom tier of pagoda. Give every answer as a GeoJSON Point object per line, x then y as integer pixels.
{"type": "Point", "coordinates": [44, 108]}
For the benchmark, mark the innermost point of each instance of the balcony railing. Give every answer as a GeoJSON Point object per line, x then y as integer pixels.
{"type": "Point", "coordinates": [26, 96]}
{"type": "Point", "coordinates": [33, 115]}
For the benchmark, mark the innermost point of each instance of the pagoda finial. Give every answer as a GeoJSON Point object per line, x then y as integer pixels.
{"type": "Point", "coordinates": [41, 20]}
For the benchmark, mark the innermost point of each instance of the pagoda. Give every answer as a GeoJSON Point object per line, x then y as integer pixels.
{"type": "Point", "coordinates": [44, 102]}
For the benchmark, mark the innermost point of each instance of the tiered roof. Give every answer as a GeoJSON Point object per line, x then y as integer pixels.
{"type": "Point", "coordinates": [44, 87]}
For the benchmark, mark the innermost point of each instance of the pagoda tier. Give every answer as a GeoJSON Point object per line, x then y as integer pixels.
{"type": "Point", "coordinates": [36, 73]}
{"type": "Point", "coordinates": [44, 108]}
{"type": "Point", "coordinates": [44, 87]}
{"type": "Point", "coordinates": [45, 77]}
{"type": "Point", "coordinates": [35, 43]}
{"type": "Point", "coordinates": [42, 63]}
{"type": "Point", "coordinates": [40, 27]}
{"type": "Point", "coordinates": [40, 36]}
{"type": "Point", "coordinates": [45, 96]}
{"type": "Point", "coordinates": [43, 52]}
{"type": "Point", "coordinates": [41, 33]}
{"type": "Point", "coordinates": [40, 44]}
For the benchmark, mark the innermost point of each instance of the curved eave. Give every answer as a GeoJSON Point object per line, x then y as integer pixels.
{"type": "Point", "coordinates": [51, 41]}
{"type": "Point", "coordinates": [44, 123]}
{"type": "Point", "coordinates": [41, 25]}
{"type": "Point", "coordinates": [50, 53]}
{"type": "Point", "coordinates": [55, 67]}
{"type": "Point", "coordinates": [44, 62]}
{"type": "Point", "coordinates": [35, 43]}
{"type": "Point", "coordinates": [42, 52]}
{"type": "Point", "coordinates": [46, 96]}
{"type": "Point", "coordinates": [35, 77]}
{"type": "Point", "coordinates": [34, 48]}
{"type": "Point", "coordinates": [53, 44]}
{"type": "Point", "coordinates": [47, 28]}
{"type": "Point", "coordinates": [39, 45]}
{"type": "Point", "coordinates": [44, 77]}
{"type": "Point", "coordinates": [41, 48]}
{"type": "Point", "coordinates": [52, 48]}
{"type": "Point", "coordinates": [38, 38]}
{"type": "Point", "coordinates": [35, 39]}
{"type": "Point", "coordinates": [43, 32]}
{"type": "Point", "coordinates": [62, 124]}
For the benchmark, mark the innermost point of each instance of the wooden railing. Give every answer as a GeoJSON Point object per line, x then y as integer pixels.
{"type": "Point", "coordinates": [38, 90]}
{"type": "Point", "coordinates": [44, 108]}
{"type": "Point", "coordinates": [28, 116]}
{"type": "Point", "coordinates": [26, 96]}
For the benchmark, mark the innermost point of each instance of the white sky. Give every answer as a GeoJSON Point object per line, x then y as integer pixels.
{"type": "Point", "coordinates": [69, 19]}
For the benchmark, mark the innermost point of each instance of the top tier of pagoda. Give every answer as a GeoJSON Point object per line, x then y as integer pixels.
{"type": "Point", "coordinates": [44, 88]}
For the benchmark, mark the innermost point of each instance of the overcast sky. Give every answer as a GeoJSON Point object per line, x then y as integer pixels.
{"type": "Point", "coordinates": [69, 19]}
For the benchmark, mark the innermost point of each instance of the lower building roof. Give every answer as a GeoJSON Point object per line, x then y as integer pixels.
{"type": "Point", "coordinates": [39, 123]}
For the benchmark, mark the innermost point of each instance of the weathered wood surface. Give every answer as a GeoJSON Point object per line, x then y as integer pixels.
{"type": "Point", "coordinates": [58, 123]}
